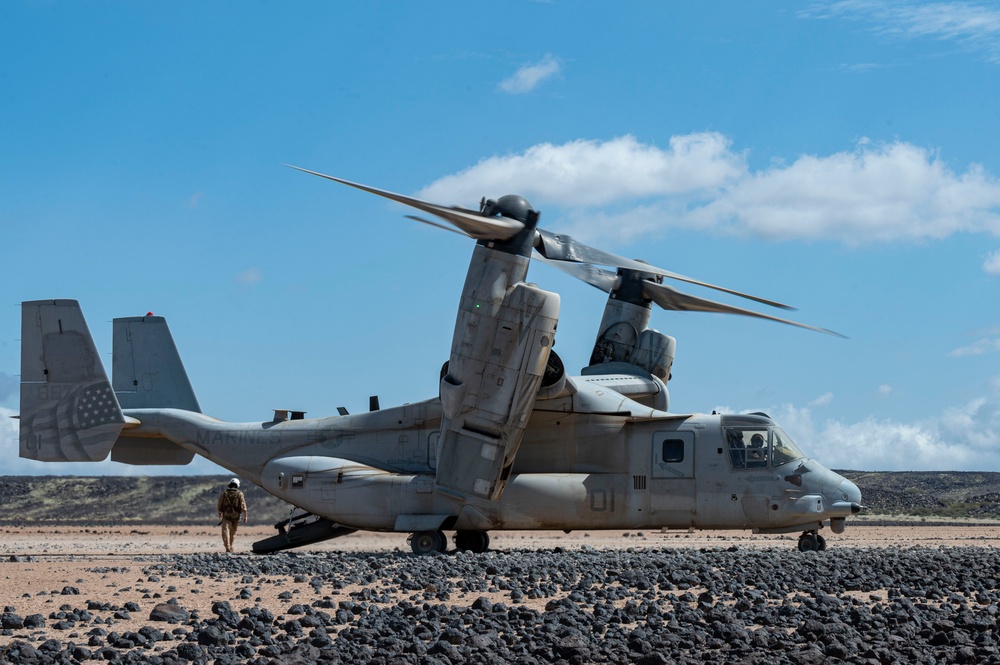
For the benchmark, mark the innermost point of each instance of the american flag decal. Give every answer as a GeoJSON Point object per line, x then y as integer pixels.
{"type": "Point", "coordinates": [96, 405]}
{"type": "Point", "coordinates": [78, 423]}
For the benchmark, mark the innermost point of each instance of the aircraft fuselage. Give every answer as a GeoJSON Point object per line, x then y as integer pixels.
{"type": "Point", "coordinates": [574, 470]}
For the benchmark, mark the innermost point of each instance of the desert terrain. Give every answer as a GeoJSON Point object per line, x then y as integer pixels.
{"type": "Point", "coordinates": [131, 570]}
{"type": "Point", "coordinates": [75, 579]}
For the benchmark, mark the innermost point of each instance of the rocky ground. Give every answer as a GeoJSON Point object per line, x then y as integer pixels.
{"type": "Point", "coordinates": [166, 595]}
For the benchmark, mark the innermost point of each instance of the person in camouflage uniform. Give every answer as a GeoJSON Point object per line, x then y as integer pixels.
{"type": "Point", "coordinates": [231, 506]}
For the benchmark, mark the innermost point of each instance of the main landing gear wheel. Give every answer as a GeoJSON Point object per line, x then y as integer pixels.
{"type": "Point", "coordinates": [810, 541]}
{"type": "Point", "coordinates": [425, 542]}
{"type": "Point", "coordinates": [472, 541]}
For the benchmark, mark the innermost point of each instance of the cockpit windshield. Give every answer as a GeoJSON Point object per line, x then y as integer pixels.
{"type": "Point", "coordinates": [785, 450]}
{"type": "Point", "coordinates": [760, 447]}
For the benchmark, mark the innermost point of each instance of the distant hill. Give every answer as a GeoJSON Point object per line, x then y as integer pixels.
{"type": "Point", "coordinates": [191, 499]}
{"type": "Point", "coordinates": [971, 494]}
{"type": "Point", "coordinates": [126, 500]}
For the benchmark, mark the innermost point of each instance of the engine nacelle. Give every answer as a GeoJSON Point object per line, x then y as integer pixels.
{"type": "Point", "coordinates": [655, 353]}
{"type": "Point", "coordinates": [622, 342]}
{"type": "Point", "coordinates": [625, 337]}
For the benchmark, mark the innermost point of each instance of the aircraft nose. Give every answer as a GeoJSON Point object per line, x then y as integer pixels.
{"type": "Point", "coordinates": [842, 497]}
{"type": "Point", "coordinates": [849, 491]}
{"type": "Point", "coordinates": [845, 498]}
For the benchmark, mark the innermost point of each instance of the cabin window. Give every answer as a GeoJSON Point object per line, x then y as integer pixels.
{"type": "Point", "coordinates": [672, 455]}
{"type": "Point", "coordinates": [673, 451]}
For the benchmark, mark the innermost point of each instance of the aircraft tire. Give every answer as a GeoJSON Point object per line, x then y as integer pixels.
{"type": "Point", "coordinates": [820, 543]}
{"type": "Point", "coordinates": [472, 541]}
{"type": "Point", "coordinates": [426, 542]}
{"type": "Point", "coordinates": [808, 542]}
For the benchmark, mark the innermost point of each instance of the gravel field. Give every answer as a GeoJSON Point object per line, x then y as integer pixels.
{"type": "Point", "coordinates": [167, 595]}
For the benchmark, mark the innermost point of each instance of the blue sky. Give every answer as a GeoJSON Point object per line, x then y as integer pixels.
{"type": "Point", "coordinates": [842, 157]}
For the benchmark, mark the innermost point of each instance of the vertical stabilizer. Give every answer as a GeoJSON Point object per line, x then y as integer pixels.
{"type": "Point", "coordinates": [69, 412]}
{"type": "Point", "coordinates": [146, 370]}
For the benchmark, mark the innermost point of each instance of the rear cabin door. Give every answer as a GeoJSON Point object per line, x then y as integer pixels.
{"type": "Point", "coordinates": [672, 481]}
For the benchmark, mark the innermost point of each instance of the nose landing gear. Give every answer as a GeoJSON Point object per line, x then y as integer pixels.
{"type": "Point", "coordinates": [810, 541]}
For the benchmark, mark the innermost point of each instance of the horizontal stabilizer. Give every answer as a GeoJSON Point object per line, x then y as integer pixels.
{"type": "Point", "coordinates": [69, 412]}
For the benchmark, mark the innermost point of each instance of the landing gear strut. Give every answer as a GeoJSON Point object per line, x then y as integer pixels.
{"type": "Point", "coordinates": [810, 541]}
{"type": "Point", "coordinates": [425, 542]}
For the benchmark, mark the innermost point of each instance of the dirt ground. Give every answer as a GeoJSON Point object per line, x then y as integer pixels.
{"type": "Point", "coordinates": [47, 569]}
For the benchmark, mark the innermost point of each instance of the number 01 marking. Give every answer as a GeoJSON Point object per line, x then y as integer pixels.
{"type": "Point", "coordinates": [602, 500]}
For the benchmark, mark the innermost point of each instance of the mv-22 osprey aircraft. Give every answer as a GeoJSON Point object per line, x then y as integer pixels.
{"type": "Point", "coordinates": [510, 443]}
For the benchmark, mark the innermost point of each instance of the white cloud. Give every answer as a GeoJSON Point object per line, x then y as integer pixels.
{"type": "Point", "coordinates": [885, 389]}
{"type": "Point", "coordinates": [8, 386]}
{"type": "Point", "coordinates": [992, 263]}
{"type": "Point", "coordinates": [878, 193]}
{"type": "Point", "coordinates": [822, 400]}
{"type": "Point", "coordinates": [528, 77]}
{"type": "Point", "coordinates": [250, 276]}
{"type": "Point", "coordinates": [8, 432]}
{"type": "Point", "coordinates": [974, 26]}
{"type": "Point", "coordinates": [873, 193]}
{"type": "Point", "coordinates": [978, 348]}
{"type": "Point", "coordinates": [961, 438]}
{"type": "Point", "coordinates": [585, 173]}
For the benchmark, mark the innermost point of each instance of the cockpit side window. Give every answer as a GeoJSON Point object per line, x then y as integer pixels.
{"type": "Point", "coordinates": [737, 447]}
{"type": "Point", "coordinates": [749, 447]}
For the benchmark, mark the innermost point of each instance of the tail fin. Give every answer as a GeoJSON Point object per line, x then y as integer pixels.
{"type": "Point", "coordinates": [69, 412]}
{"type": "Point", "coordinates": [146, 369]}
{"type": "Point", "coordinates": [147, 373]}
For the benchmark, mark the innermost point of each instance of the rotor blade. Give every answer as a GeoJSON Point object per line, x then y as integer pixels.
{"type": "Point", "coordinates": [560, 247]}
{"type": "Point", "coordinates": [437, 225]}
{"type": "Point", "coordinates": [671, 299]}
{"type": "Point", "coordinates": [665, 296]}
{"type": "Point", "coordinates": [605, 280]}
{"type": "Point", "coordinates": [472, 223]}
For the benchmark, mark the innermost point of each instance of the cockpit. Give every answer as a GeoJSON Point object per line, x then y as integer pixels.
{"type": "Point", "coordinates": [760, 446]}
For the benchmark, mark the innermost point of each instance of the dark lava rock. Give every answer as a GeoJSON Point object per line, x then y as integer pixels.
{"type": "Point", "coordinates": [224, 611]}
{"type": "Point", "coordinates": [189, 651]}
{"type": "Point", "coordinates": [34, 621]}
{"type": "Point", "coordinates": [212, 636]}
{"type": "Point", "coordinates": [11, 621]}
{"type": "Point", "coordinates": [856, 605]}
{"type": "Point", "coordinates": [169, 612]}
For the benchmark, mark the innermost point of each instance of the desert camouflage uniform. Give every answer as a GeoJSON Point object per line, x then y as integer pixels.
{"type": "Point", "coordinates": [231, 507]}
